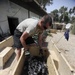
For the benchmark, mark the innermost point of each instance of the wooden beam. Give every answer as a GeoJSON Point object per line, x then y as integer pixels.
{"type": "Point", "coordinates": [55, 59]}
{"type": "Point", "coordinates": [64, 67]}
{"type": "Point", "coordinates": [18, 67]}
{"type": "Point", "coordinates": [5, 55]}
{"type": "Point", "coordinates": [51, 66]}
{"type": "Point", "coordinates": [6, 43]}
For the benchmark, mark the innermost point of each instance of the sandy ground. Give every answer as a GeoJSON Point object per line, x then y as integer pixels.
{"type": "Point", "coordinates": [66, 47]}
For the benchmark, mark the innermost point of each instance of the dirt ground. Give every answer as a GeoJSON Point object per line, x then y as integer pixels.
{"type": "Point", "coordinates": [66, 47]}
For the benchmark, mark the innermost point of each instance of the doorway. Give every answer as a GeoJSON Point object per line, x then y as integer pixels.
{"type": "Point", "coordinates": [13, 22]}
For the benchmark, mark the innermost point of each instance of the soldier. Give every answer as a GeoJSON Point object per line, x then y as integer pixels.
{"type": "Point", "coordinates": [26, 29]}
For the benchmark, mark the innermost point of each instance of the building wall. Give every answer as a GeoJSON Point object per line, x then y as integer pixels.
{"type": "Point", "coordinates": [3, 15]}
{"type": "Point", "coordinates": [33, 15]}
{"type": "Point", "coordinates": [9, 9]}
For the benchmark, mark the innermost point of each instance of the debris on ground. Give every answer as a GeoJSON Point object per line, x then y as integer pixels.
{"type": "Point", "coordinates": [35, 66]}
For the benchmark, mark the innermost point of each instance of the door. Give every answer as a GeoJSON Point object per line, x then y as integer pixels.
{"type": "Point", "coordinates": [13, 22]}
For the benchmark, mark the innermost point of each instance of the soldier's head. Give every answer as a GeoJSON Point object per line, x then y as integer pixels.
{"type": "Point", "coordinates": [46, 21]}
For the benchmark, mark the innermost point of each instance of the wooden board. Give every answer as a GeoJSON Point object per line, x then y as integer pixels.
{"type": "Point", "coordinates": [5, 55]}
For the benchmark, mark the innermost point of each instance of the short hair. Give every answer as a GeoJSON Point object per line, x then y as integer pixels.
{"type": "Point", "coordinates": [47, 19]}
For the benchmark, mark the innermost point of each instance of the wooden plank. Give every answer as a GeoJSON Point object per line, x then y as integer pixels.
{"type": "Point", "coordinates": [18, 67]}
{"type": "Point", "coordinates": [8, 42]}
{"type": "Point", "coordinates": [64, 67]}
{"type": "Point", "coordinates": [55, 59]}
{"type": "Point", "coordinates": [51, 66]}
{"type": "Point", "coordinates": [9, 66]}
{"type": "Point", "coordinates": [5, 55]}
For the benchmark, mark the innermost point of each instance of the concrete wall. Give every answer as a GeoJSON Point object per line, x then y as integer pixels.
{"type": "Point", "coordinates": [9, 9]}
{"type": "Point", "coordinates": [33, 15]}
{"type": "Point", "coordinates": [3, 15]}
